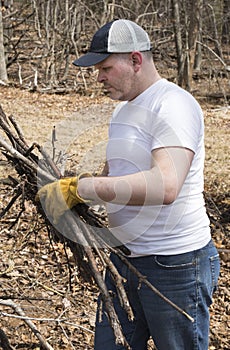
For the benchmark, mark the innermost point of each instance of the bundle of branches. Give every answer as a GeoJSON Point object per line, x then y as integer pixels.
{"type": "Point", "coordinates": [86, 234]}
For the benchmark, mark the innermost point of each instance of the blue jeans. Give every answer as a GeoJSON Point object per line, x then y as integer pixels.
{"type": "Point", "coordinates": [188, 280]}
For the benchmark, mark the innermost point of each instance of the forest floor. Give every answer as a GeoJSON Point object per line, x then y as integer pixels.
{"type": "Point", "coordinates": [38, 275]}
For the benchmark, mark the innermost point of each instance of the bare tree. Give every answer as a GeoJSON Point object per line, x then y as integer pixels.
{"type": "Point", "coordinates": [187, 30]}
{"type": "Point", "coordinates": [226, 22]}
{"type": "Point", "coordinates": [198, 47]}
{"type": "Point", "coordinates": [178, 41]}
{"type": "Point", "coordinates": [215, 26]}
{"type": "Point", "coordinates": [3, 71]}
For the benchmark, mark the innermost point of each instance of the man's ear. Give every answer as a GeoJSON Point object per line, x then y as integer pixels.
{"type": "Point", "coordinates": [136, 58]}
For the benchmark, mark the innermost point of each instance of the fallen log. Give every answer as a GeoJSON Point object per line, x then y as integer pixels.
{"type": "Point", "coordinates": [85, 233]}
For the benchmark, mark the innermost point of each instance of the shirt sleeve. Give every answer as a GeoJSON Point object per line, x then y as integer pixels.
{"type": "Point", "coordinates": [178, 123]}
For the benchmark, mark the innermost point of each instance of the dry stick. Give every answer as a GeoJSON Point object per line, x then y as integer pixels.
{"type": "Point", "coordinates": [26, 161]}
{"type": "Point", "coordinates": [213, 52]}
{"type": "Point", "coordinates": [90, 236]}
{"type": "Point", "coordinates": [118, 279]}
{"type": "Point", "coordinates": [43, 319]}
{"type": "Point", "coordinates": [18, 140]}
{"type": "Point", "coordinates": [29, 323]}
{"type": "Point", "coordinates": [49, 161]}
{"type": "Point", "coordinates": [18, 130]}
{"type": "Point", "coordinates": [112, 316]}
{"type": "Point", "coordinates": [100, 231]}
{"type": "Point", "coordinates": [4, 342]}
{"type": "Point", "coordinates": [28, 154]}
{"type": "Point", "coordinates": [143, 279]}
{"type": "Point", "coordinates": [3, 115]}
{"type": "Point", "coordinates": [114, 321]}
{"type": "Point", "coordinates": [13, 138]}
{"type": "Point", "coordinates": [10, 204]}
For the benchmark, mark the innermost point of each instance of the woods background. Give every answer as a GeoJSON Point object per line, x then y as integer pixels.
{"type": "Point", "coordinates": [39, 39]}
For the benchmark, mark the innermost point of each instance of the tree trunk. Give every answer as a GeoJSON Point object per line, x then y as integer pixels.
{"type": "Point", "coordinates": [198, 48]}
{"type": "Point", "coordinates": [178, 41]}
{"type": "Point", "coordinates": [214, 15]}
{"type": "Point", "coordinates": [226, 22]}
{"type": "Point", "coordinates": [3, 71]}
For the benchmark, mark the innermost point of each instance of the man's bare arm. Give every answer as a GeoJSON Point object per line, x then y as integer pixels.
{"type": "Point", "coordinates": [159, 185]}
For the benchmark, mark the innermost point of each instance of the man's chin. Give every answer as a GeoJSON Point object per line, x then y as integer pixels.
{"type": "Point", "coordinates": [112, 95]}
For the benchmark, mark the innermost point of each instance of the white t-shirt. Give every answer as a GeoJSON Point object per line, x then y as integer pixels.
{"type": "Point", "coordinates": [162, 116]}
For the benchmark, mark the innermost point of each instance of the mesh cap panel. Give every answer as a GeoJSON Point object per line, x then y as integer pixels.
{"type": "Point", "coordinates": [127, 36]}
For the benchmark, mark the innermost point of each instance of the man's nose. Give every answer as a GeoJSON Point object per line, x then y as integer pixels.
{"type": "Point", "coordinates": [100, 77]}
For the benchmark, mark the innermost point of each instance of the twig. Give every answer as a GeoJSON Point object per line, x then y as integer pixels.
{"type": "Point", "coordinates": [49, 161]}
{"type": "Point", "coordinates": [119, 280]}
{"type": "Point", "coordinates": [43, 319]}
{"type": "Point", "coordinates": [15, 139]}
{"type": "Point", "coordinates": [18, 129]}
{"type": "Point", "coordinates": [113, 319]}
{"type": "Point", "coordinates": [112, 316]}
{"type": "Point", "coordinates": [213, 52]}
{"type": "Point", "coordinates": [29, 163]}
{"type": "Point", "coordinates": [143, 279]}
{"type": "Point", "coordinates": [4, 342]}
{"type": "Point", "coordinates": [29, 323]}
{"type": "Point", "coordinates": [11, 203]}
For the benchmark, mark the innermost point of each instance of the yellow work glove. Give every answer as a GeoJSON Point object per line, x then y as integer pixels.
{"type": "Point", "coordinates": [59, 196]}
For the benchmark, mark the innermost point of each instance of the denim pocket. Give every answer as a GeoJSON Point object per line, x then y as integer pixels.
{"type": "Point", "coordinates": [215, 270]}
{"type": "Point", "coordinates": [180, 261]}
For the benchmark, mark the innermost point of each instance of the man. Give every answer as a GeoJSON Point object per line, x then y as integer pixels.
{"type": "Point", "coordinates": [153, 192]}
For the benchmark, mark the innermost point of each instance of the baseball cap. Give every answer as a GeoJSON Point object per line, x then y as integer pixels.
{"type": "Point", "coordinates": [119, 36]}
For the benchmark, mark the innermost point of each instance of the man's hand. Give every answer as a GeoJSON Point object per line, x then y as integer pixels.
{"type": "Point", "coordinates": [59, 196]}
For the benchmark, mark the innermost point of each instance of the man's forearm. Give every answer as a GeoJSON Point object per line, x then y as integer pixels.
{"type": "Point", "coordinates": [159, 185]}
{"type": "Point", "coordinates": [143, 188]}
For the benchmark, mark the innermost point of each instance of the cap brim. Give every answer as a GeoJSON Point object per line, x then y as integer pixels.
{"type": "Point", "coordinates": [90, 59]}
